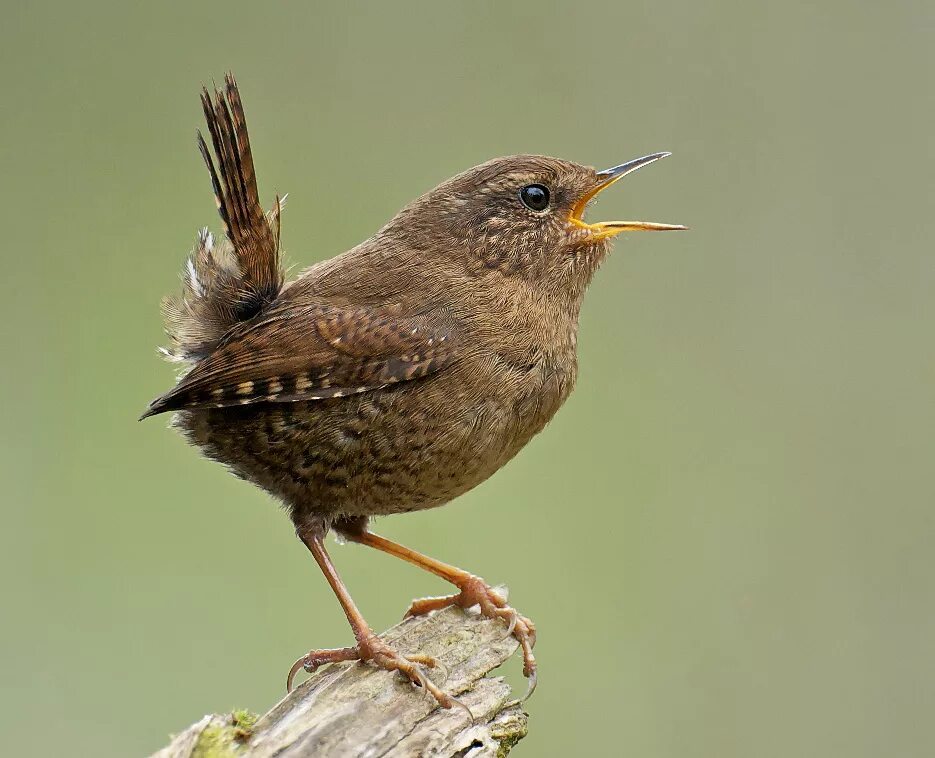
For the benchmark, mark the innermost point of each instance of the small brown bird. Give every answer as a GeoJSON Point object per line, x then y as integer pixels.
{"type": "Point", "coordinates": [397, 375]}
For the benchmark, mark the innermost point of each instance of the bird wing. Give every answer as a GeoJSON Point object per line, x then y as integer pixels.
{"type": "Point", "coordinates": [316, 351]}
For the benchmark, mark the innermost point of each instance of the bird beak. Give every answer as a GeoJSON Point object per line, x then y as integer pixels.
{"type": "Point", "coordinates": [604, 229]}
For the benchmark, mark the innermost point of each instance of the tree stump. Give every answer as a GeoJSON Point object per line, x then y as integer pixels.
{"type": "Point", "coordinates": [354, 709]}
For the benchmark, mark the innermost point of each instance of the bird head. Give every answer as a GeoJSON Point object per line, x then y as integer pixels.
{"type": "Point", "coordinates": [524, 215]}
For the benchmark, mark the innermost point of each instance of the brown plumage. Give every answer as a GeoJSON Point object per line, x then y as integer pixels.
{"type": "Point", "coordinates": [397, 375]}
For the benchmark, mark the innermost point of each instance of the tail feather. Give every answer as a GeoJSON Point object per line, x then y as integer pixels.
{"type": "Point", "coordinates": [234, 280]}
{"type": "Point", "coordinates": [205, 310]}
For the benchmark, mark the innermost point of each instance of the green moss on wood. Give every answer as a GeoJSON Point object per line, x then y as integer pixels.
{"type": "Point", "coordinates": [509, 728]}
{"type": "Point", "coordinates": [243, 722]}
{"type": "Point", "coordinates": [224, 740]}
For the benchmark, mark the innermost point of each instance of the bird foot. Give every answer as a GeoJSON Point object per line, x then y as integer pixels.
{"type": "Point", "coordinates": [475, 591]}
{"type": "Point", "coordinates": [382, 655]}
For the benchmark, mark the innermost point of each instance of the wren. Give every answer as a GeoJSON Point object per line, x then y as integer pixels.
{"type": "Point", "coordinates": [397, 375]}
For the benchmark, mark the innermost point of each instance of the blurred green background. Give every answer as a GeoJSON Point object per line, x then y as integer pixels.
{"type": "Point", "coordinates": [725, 538]}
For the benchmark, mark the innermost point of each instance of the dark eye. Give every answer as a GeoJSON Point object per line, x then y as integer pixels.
{"type": "Point", "coordinates": [535, 197]}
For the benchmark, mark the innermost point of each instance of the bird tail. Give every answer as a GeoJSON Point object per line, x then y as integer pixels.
{"type": "Point", "coordinates": [226, 282]}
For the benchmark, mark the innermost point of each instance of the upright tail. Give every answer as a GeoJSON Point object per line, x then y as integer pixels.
{"type": "Point", "coordinates": [234, 280]}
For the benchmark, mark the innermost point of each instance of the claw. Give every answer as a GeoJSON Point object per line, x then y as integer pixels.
{"type": "Point", "coordinates": [429, 662]}
{"type": "Point", "coordinates": [315, 659]}
{"type": "Point", "coordinates": [292, 672]}
{"type": "Point", "coordinates": [459, 704]}
{"type": "Point", "coordinates": [532, 682]}
{"type": "Point", "coordinates": [530, 686]}
{"type": "Point", "coordinates": [511, 626]}
{"type": "Point", "coordinates": [380, 654]}
{"type": "Point", "coordinates": [493, 604]}
{"type": "Point", "coordinates": [417, 677]}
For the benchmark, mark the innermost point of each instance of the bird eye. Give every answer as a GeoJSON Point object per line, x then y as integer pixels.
{"type": "Point", "coordinates": [535, 197]}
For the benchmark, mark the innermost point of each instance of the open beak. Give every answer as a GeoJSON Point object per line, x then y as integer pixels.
{"type": "Point", "coordinates": [609, 176]}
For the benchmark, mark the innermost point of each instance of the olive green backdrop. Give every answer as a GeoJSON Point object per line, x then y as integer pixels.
{"type": "Point", "coordinates": [725, 537]}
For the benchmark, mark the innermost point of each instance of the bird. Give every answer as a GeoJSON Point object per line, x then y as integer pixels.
{"type": "Point", "coordinates": [395, 376]}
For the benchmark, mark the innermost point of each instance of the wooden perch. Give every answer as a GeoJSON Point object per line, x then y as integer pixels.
{"type": "Point", "coordinates": [353, 709]}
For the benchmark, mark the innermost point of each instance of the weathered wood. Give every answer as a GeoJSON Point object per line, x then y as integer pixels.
{"type": "Point", "coordinates": [353, 709]}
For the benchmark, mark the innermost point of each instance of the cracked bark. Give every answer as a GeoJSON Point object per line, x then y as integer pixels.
{"type": "Point", "coordinates": [352, 709]}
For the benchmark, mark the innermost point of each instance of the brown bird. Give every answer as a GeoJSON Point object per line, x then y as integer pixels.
{"type": "Point", "coordinates": [397, 375]}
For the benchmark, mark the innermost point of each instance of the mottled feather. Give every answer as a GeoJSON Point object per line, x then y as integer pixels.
{"type": "Point", "coordinates": [316, 351]}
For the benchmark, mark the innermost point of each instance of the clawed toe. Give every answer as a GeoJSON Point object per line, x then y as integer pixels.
{"type": "Point", "coordinates": [426, 605]}
{"type": "Point", "coordinates": [315, 659]}
{"type": "Point", "coordinates": [425, 660]}
{"type": "Point", "coordinates": [413, 668]}
{"type": "Point", "coordinates": [382, 655]}
{"type": "Point", "coordinates": [511, 626]}
{"type": "Point", "coordinates": [475, 591]}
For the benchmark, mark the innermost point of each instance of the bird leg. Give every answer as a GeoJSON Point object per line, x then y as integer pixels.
{"type": "Point", "coordinates": [473, 591]}
{"type": "Point", "coordinates": [369, 646]}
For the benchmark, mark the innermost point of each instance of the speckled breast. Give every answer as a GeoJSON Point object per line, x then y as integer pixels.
{"type": "Point", "coordinates": [402, 448]}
